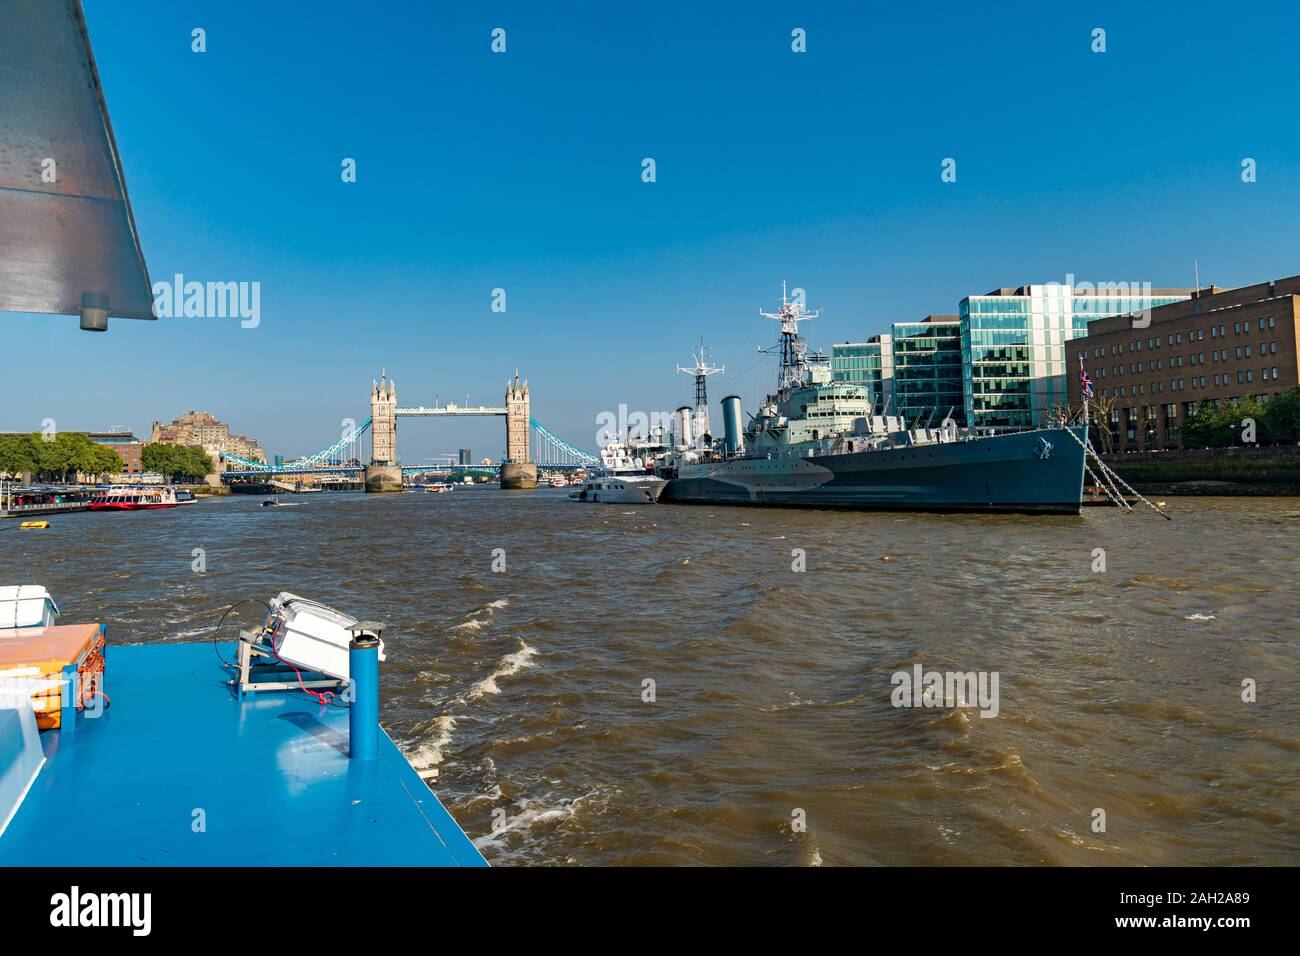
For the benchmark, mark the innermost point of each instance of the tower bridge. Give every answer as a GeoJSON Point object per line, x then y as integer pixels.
{"type": "Point", "coordinates": [384, 472]}
{"type": "Point", "coordinates": [527, 443]}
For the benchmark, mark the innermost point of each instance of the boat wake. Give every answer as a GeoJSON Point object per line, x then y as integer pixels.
{"type": "Point", "coordinates": [531, 812]}
{"type": "Point", "coordinates": [509, 665]}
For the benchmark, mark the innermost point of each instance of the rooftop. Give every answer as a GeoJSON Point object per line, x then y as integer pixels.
{"type": "Point", "coordinates": [1205, 301]}
{"type": "Point", "coordinates": [1103, 289]}
{"type": "Point", "coordinates": [270, 773]}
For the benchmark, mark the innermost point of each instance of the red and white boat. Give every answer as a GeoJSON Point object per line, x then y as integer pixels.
{"type": "Point", "coordinates": [133, 499]}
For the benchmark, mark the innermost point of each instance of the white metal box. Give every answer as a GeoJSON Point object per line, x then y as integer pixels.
{"type": "Point", "coordinates": [27, 605]}
{"type": "Point", "coordinates": [312, 635]}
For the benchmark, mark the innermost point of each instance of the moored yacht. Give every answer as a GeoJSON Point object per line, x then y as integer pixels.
{"type": "Point", "coordinates": [621, 478]}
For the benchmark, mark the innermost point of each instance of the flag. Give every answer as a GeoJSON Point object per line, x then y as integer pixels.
{"type": "Point", "coordinates": [1085, 383]}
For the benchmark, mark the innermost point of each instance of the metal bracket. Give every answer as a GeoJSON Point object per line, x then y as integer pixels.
{"type": "Point", "coordinates": [271, 673]}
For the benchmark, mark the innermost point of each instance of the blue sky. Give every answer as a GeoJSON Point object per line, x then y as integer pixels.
{"type": "Point", "coordinates": [522, 171]}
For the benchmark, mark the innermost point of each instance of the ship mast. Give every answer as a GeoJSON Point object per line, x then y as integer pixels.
{"type": "Point", "coordinates": [701, 370]}
{"type": "Point", "coordinates": [792, 349]}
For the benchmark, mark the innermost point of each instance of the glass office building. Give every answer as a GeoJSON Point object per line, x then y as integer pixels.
{"type": "Point", "coordinates": [1013, 344]}
{"type": "Point", "coordinates": [869, 363]}
{"type": "Point", "coordinates": [928, 370]}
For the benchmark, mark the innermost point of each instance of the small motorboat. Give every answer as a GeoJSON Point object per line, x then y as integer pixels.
{"type": "Point", "coordinates": [271, 502]}
{"type": "Point", "coordinates": [33, 525]}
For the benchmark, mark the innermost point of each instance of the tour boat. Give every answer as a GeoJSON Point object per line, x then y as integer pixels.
{"type": "Point", "coordinates": [133, 499]}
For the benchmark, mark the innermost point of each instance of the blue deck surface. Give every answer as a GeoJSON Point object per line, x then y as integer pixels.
{"type": "Point", "coordinates": [270, 774]}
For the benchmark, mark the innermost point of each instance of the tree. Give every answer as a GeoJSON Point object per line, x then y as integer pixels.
{"type": "Point", "coordinates": [54, 455]}
{"type": "Point", "coordinates": [1099, 409]}
{"type": "Point", "coordinates": [16, 455]}
{"type": "Point", "coordinates": [100, 460]}
{"type": "Point", "coordinates": [1282, 416]}
{"type": "Point", "coordinates": [1220, 424]}
{"type": "Point", "coordinates": [177, 462]}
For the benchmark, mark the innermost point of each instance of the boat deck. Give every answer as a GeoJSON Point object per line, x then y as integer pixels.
{"type": "Point", "coordinates": [269, 776]}
{"type": "Point", "coordinates": [28, 511]}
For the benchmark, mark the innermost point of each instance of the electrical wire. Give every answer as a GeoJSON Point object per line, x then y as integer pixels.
{"type": "Point", "coordinates": [215, 650]}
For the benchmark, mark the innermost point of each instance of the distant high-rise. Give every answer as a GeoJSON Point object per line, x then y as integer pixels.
{"type": "Point", "coordinates": [466, 457]}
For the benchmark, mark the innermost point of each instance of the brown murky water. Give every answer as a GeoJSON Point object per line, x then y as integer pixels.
{"type": "Point", "coordinates": [1119, 690]}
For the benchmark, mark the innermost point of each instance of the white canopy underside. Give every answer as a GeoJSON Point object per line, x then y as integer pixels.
{"type": "Point", "coordinates": [76, 235]}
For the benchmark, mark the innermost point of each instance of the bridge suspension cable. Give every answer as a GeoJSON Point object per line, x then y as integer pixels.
{"type": "Point", "coordinates": [550, 449]}
{"type": "Point", "coordinates": [346, 451]}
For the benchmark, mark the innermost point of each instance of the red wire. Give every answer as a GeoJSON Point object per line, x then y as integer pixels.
{"type": "Point", "coordinates": [322, 697]}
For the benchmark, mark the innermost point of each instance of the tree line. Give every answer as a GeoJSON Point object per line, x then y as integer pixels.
{"type": "Point", "coordinates": [63, 456]}
{"type": "Point", "coordinates": [1247, 421]}
{"type": "Point", "coordinates": [177, 462]}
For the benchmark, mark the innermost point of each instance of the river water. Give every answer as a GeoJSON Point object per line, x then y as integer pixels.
{"type": "Point", "coordinates": [768, 735]}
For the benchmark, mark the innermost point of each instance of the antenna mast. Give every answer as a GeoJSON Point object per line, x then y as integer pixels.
{"type": "Point", "coordinates": [701, 370]}
{"type": "Point", "coordinates": [793, 349]}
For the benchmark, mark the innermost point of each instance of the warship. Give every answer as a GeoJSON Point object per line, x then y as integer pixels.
{"type": "Point", "coordinates": [820, 443]}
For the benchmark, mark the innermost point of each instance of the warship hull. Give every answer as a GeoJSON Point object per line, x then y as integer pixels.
{"type": "Point", "coordinates": [1034, 472]}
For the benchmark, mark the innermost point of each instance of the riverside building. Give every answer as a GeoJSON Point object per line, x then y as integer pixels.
{"type": "Point", "coordinates": [869, 363]}
{"type": "Point", "coordinates": [214, 436]}
{"type": "Point", "coordinates": [928, 370]}
{"type": "Point", "coordinates": [1219, 345]}
{"type": "Point", "coordinates": [1014, 372]}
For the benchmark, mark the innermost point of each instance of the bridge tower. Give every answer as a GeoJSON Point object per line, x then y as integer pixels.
{"type": "Point", "coordinates": [383, 421]}
{"type": "Point", "coordinates": [383, 473]}
{"type": "Point", "coordinates": [517, 471]}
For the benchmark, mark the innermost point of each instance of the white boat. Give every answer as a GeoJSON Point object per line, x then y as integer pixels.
{"type": "Point", "coordinates": [621, 478]}
{"type": "Point", "coordinates": [134, 499]}
{"type": "Point", "coordinates": [27, 605]}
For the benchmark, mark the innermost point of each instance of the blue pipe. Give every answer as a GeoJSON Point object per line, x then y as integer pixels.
{"type": "Point", "coordinates": [363, 711]}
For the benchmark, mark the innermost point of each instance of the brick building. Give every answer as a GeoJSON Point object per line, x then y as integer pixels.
{"type": "Point", "coordinates": [1219, 345]}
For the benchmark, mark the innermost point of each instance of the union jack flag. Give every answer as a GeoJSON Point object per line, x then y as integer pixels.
{"type": "Point", "coordinates": [1085, 383]}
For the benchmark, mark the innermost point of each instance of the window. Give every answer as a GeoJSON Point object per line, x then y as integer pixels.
{"type": "Point", "coordinates": [1261, 323]}
{"type": "Point", "coordinates": [1247, 351]}
{"type": "Point", "coordinates": [1270, 321]}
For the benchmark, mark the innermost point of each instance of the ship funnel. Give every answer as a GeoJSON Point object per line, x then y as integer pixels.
{"type": "Point", "coordinates": [732, 437]}
{"type": "Point", "coordinates": [684, 427]}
